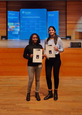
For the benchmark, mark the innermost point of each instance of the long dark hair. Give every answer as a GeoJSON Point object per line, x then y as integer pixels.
{"type": "Point", "coordinates": [55, 37]}
{"type": "Point", "coordinates": [30, 40]}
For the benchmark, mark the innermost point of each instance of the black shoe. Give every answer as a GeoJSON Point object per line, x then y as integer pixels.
{"type": "Point", "coordinates": [55, 95]}
{"type": "Point", "coordinates": [28, 97]}
{"type": "Point", "coordinates": [37, 96]}
{"type": "Point", "coordinates": [50, 95]}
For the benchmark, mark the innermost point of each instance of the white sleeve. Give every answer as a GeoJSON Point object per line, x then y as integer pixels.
{"type": "Point", "coordinates": [45, 47]}
{"type": "Point", "coordinates": [61, 49]}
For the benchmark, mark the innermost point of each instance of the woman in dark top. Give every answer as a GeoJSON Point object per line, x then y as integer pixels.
{"type": "Point", "coordinates": [33, 68]}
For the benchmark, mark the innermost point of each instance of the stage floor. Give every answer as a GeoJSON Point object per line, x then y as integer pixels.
{"type": "Point", "coordinates": [13, 92]}
{"type": "Point", "coordinates": [23, 43]}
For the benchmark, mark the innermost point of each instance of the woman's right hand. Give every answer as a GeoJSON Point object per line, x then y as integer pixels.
{"type": "Point", "coordinates": [45, 56]}
{"type": "Point", "coordinates": [31, 55]}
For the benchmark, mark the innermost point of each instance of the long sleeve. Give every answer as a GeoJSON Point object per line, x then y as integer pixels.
{"type": "Point", "coordinates": [45, 46]}
{"type": "Point", "coordinates": [61, 49]}
{"type": "Point", "coordinates": [25, 53]}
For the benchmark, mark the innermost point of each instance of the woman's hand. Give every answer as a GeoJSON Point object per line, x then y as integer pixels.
{"type": "Point", "coordinates": [45, 56]}
{"type": "Point", "coordinates": [31, 55]}
{"type": "Point", "coordinates": [56, 49]}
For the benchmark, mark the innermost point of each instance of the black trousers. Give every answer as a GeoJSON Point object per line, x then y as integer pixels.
{"type": "Point", "coordinates": [55, 63]}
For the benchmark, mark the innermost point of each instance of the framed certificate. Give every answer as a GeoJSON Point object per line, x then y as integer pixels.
{"type": "Point", "coordinates": [37, 55]}
{"type": "Point", "coordinates": [50, 52]}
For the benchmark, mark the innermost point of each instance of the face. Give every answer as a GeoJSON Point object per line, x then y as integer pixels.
{"type": "Point", "coordinates": [34, 39]}
{"type": "Point", "coordinates": [52, 31]}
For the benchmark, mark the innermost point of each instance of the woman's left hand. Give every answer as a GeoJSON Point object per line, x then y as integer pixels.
{"type": "Point", "coordinates": [56, 49]}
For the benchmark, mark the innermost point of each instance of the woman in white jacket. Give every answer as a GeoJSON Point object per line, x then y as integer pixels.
{"type": "Point", "coordinates": [55, 62]}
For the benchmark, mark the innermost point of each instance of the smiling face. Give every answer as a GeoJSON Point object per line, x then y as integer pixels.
{"type": "Point", "coordinates": [34, 39]}
{"type": "Point", "coordinates": [52, 32]}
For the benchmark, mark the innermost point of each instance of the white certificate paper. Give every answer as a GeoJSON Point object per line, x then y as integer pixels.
{"type": "Point", "coordinates": [50, 52]}
{"type": "Point", "coordinates": [37, 55]}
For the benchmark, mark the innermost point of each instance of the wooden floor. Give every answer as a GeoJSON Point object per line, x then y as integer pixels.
{"type": "Point", "coordinates": [13, 91]}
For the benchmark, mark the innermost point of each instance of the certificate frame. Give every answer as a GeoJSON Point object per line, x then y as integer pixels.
{"type": "Point", "coordinates": [50, 52]}
{"type": "Point", "coordinates": [37, 55]}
